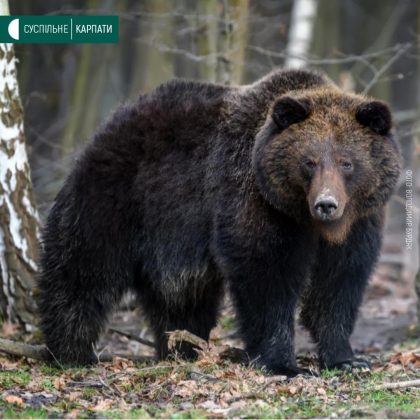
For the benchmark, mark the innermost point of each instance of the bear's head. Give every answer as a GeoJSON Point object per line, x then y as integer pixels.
{"type": "Point", "coordinates": [327, 157]}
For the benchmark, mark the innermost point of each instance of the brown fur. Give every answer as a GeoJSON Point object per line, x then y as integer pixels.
{"type": "Point", "coordinates": [195, 187]}
{"type": "Point", "coordinates": [331, 132]}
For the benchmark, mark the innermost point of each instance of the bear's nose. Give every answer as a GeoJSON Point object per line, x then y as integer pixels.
{"type": "Point", "coordinates": [325, 207]}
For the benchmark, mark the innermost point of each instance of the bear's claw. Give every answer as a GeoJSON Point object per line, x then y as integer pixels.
{"type": "Point", "coordinates": [349, 365]}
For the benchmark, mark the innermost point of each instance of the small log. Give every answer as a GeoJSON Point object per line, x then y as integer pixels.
{"type": "Point", "coordinates": [179, 336]}
{"type": "Point", "coordinates": [40, 352]}
{"type": "Point", "coordinates": [15, 348]}
{"type": "Point", "coordinates": [233, 354]}
{"type": "Point", "coordinates": [398, 385]}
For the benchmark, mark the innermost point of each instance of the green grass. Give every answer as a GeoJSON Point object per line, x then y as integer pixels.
{"type": "Point", "coordinates": [13, 413]}
{"type": "Point", "coordinates": [50, 370]}
{"type": "Point", "coordinates": [150, 390]}
{"type": "Point", "coordinates": [328, 374]}
{"type": "Point", "coordinates": [9, 379]}
{"type": "Point", "coordinates": [390, 399]}
{"type": "Point", "coordinates": [138, 413]}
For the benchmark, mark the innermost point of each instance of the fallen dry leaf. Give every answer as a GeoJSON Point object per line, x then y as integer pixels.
{"type": "Point", "coordinates": [186, 389]}
{"type": "Point", "coordinates": [408, 359]}
{"type": "Point", "coordinates": [292, 390]}
{"type": "Point", "coordinates": [59, 383]}
{"type": "Point", "coordinates": [33, 386]}
{"type": "Point", "coordinates": [103, 405]}
{"type": "Point", "coordinates": [8, 364]}
{"type": "Point", "coordinates": [391, 368]}
{"type": "Point", "coordinates": [13, 399]}
{"type": "Point", "coordinates": [8, 329]}
{"type": "Point", "coordinates": [73, 414]}
{"type": "Point", "coordinates": [119, 363]}
{"type": "Point", "coordinates": [321, 391]}
{"type": "Point", "coordinates": [74, 396]}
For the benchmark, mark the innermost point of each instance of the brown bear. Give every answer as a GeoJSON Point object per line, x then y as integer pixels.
{"type": "Point", "coordinates": [275, 190]}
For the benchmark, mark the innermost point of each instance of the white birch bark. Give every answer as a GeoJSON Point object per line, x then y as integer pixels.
{"type": "Point", "coordinates": [18, 215]}
{"type": "Point", "coordinates": [300, 34]}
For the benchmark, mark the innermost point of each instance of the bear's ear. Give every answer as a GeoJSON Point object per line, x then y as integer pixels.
{"type": "Point", "coordinates": [288, 111]}
{"type": "Point", "coordinates": [376, 115]}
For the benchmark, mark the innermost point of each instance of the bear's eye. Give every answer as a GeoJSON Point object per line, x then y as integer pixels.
{"type": "Point", "coordinates": [309, 164]}
{"type": "Point", "coordinates": [346, 165]}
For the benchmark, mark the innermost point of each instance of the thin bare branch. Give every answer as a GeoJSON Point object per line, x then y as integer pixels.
{"type": "Point", "coordinates": [133, 337]}
{"type": "Point", "coordinates": [326, 61]}
{"type": "Point", "coordinates": [401, 51]}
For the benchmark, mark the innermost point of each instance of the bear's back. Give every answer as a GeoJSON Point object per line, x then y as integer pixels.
{"type": "Point", "coordinates": [185, 108]}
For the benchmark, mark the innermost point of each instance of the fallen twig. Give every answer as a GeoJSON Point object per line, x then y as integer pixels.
{"type": "Point", "coordinates": [133, 337]}
{"type": "Point", "coordinates": [106, 385]}
{"type": "Point", "coordinates": [248, 396]}
{"type": "Point", "coordinates": [85, 384]}
{"type": "Point", "coordinates": [398, 385]}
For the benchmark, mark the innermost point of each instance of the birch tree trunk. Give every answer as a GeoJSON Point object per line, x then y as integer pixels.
{"type": "Point", "coordinates": [301, 31]}
{"type": "Point", "coordinates": [18, 216]}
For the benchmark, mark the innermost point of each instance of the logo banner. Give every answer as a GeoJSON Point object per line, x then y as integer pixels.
{"type": "Point", "coordinates": [58, 29]}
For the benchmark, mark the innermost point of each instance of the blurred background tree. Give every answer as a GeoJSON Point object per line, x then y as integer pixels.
{"type": "Point", "coordinates": [363, 45]}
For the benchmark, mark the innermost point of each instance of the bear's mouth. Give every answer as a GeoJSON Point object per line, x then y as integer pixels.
{"type": "Point", "coordinates": [334, 230]}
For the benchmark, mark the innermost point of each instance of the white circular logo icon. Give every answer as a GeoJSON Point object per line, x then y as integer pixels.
{"type": "Point", "coordinates": [14, 29]}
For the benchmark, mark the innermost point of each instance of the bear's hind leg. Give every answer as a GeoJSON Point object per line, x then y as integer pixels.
{"type": "Point", "coordinates": [79, 285]}
{"type": "Point", "coordinates": [194, 313]}
{"type": "Point", "coordinates": [73, 317]}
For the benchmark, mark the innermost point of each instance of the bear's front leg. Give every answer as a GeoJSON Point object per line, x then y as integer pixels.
{"type": "Point", "coordinates": [266, 271]}
{"type": "Point", "coordinates": [338, 280]}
